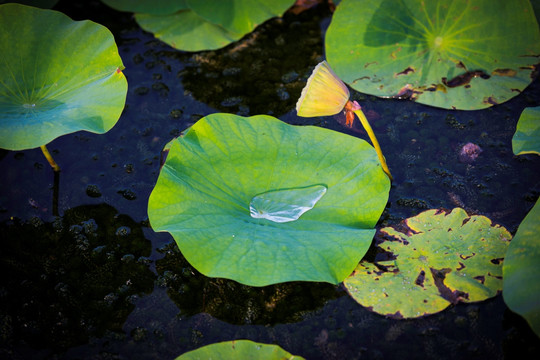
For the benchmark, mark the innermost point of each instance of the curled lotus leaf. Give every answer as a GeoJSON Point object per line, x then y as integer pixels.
{"type": "Point", "coordinates": [459, 54]}
{"type": "Point", "coordinates": [239, 349]}
{"type": "Point", "coordinates": [262, 202]}
{"type": "Point", "coordinates": [437, 258]}
{"type": "Point", "coordinates": [57, 76]}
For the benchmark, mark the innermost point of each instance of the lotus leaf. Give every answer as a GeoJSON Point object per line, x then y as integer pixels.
{"type": "Point", "coordinates": [161, 7]}
{"type": "Point", "coordinates": [526, 140]}
{"type": "Point", "coordinates": [521, 288]}
{"type": "Point", "coordinates": [57, 76]}
{"type": "Point", "coordinates": [459, 54]}
{"type": "Point", "coordinates": [440, 258]}
{"type": "Point", "coordinates": [185, 30]}
{"type": "Point", "coordinates": [239, 349]}
{"type": "Point", "coordinates": [239, 16]}
{"type": "Point", "coordinates": [224, 162]}
{"type": "Point", "coordinates": [209, 25]}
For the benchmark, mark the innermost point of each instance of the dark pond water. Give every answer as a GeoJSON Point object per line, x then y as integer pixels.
{"type": "Point", "coordinates": [96, 282]}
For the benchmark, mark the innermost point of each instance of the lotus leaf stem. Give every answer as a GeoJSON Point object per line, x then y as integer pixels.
{"type": "Point", "coordinates": [49, 158]}
{"type": "Point", "coordinates": [374, 141]}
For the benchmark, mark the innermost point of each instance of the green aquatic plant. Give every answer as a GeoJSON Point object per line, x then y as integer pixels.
{"type": "Point", "coordinates": [526, 139]}
{"type": "Point", "coordinates": [194, 25]}
{"type": "Point", "coordinates": [521, 289]}
{"type": "Point", "coordinates": [461, 54]}
{"type": "Point", "coordinates": [57, 76]}
{"type": "Point", "coordinates": [325, 94]}
{"type": "Point", "coordinates": [262, 202]}
{"type": "Point", "coordinates": [239, 349]}
{"type": "Point", "coordinates": [436, 259]}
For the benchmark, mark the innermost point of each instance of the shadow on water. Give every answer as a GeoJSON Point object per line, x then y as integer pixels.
{"type": "Point", "coordinates": [273, 63]}
{"type": "Point", "coordinates": [70, 279]}
{"type": "Point", "coordinates": [233, 302]}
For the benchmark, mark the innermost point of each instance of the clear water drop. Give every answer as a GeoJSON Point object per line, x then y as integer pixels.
{"type": "Point", "coordinates": [285, 205]}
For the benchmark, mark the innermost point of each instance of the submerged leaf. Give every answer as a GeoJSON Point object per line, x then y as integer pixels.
{"type": "Point", "coordinates": [225, 163]}
{"type": "Point", "coordinates": [441, 258]}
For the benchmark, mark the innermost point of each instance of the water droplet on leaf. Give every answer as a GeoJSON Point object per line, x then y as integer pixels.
{"type": "Point", "coordinates": [287, 204]}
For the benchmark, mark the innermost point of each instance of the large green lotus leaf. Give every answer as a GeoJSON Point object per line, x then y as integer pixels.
{"type": "Point", "coordinates": [239, 16]}
{"type": "Point", "coordinates": [238, 349]}
{"type": "Point", "coordinates": [227, 166]}
{"type": "Point", "coordinates": [185, 30]}
{"type": "Point", "coordinates": [160, 7]}
{"type": "Point", "coordinates": [526, 139]}
{"type": "Point", "coordinates": [521, 288]}
{"type": "Point", "coordinates": [57, 76]}
{"type": "Point", "coordinates": [440, 258]}
{"type": "Point", "coordinates": [454, 54]}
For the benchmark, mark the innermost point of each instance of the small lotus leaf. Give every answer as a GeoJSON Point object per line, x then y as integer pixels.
{"type": "Point", "coordinates": [239, 16]}
{"type": "Point", "coordinates": [185, 30]}
{"type": "Point", "coordinates": [213, 173]}
{"type": "Point", "coordinates": [161, 7]}
{"type": "Point", "coordinates": [460, 54]}
{"type": "Point", "coordinates": [239, 349]}
{"type": "Point", "coordinates": [521, 288]}
{"type": "Point", "coordinates": [441, 258]}
{"type": "Point", "coordinates": [57, 76]}
{"type": "Point", "coordinates": [526, 140]}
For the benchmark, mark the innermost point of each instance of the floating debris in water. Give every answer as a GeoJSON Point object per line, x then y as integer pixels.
{"type": "Point", "coordinates": [93, 190]}
{"type": "Point", "coordinates": [469, 152]}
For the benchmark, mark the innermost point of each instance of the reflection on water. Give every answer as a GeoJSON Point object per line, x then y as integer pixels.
{"type": "Point", "coordinates": [70, 279]}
